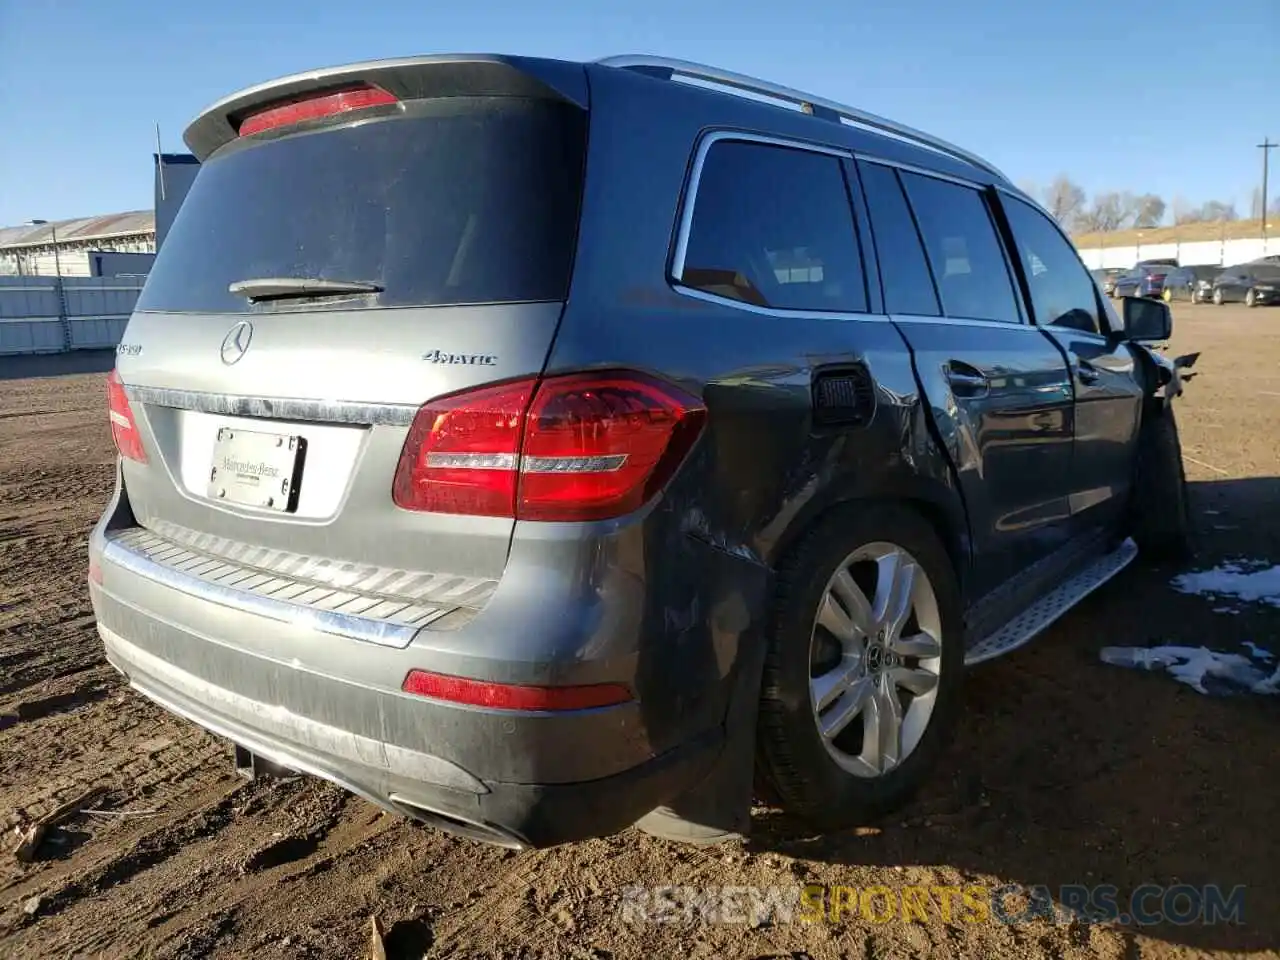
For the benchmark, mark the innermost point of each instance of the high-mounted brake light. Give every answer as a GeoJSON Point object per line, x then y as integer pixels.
{"type": "Point", "coordinates": [578, 447]}
{"type": "Point", "coordinates": [510, 696]}
{"type": "Point", "coordinates": [124, 429]}
{"type": "Point", "coordinates": [315, 107]}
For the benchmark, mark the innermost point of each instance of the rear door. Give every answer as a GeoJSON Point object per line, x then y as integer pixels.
{"type": "Point", "coordinates": [1065, 305]}
{"type": "Point", "coordinates": [326, 275]}
{"type": "Point", "coordinates": [1000, 392]}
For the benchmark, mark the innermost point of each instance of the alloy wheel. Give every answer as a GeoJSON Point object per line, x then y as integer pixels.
{"type": "Point", "coordinates": [875, 658]}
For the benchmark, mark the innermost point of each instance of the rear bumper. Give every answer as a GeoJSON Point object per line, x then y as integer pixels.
{"type": "Point", "coordinates": [416, 783]}
{"type": "Point", "coordinates": [331, 706]}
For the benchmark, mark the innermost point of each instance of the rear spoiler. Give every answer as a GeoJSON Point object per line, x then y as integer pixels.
{"type": "Point", "coordinates": [408, 78]}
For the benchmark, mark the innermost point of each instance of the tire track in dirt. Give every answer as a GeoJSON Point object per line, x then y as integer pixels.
{"type": "Point", "coordinates": [197, 865]}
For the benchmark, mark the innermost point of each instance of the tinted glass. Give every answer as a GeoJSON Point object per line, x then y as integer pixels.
{"type": "Point", "coordinates": [1062, 292]}
{"type": "Point", "coordinates": [904, 272]}
{"type": "Point", "coordinates": [464, 200]}
{"type": "Point", "coordinates": [773, 227]}
{"type": "Point", "coordinates": [968, 263]}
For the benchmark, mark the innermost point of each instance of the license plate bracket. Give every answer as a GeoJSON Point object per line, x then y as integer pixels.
{"type": "Point", "coordinates": [256, 469]}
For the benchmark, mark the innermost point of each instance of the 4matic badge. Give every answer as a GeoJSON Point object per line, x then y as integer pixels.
{"type": "Point", "coordinates": [468, 359]}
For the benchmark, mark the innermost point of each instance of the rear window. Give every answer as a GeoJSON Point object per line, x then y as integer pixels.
{"type": "Point", "coordinates": [460, 200]}
{"type": "Point", "coordinates": [772, 226]}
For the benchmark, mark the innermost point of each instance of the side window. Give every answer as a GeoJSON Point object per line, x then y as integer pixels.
{"type": "Point", "coordinates": [904, 272]}
{"type": "Point", "coordinates": [968, 263]}
{"type": "Point", "coordinates": [1062, 293]}
{"type": "Point", "coordinates": [772, 226]}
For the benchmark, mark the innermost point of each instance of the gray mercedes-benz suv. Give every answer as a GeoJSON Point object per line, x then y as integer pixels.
{"type": "Point", "coordinates": [536, 448]}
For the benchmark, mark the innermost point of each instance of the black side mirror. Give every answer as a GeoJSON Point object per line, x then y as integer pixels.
{"type": "Point", "coordinates": [1147, 320]}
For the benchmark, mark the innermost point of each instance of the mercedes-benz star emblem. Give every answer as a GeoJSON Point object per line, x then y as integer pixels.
{"type": "Point", "coordinates": [236, 343]}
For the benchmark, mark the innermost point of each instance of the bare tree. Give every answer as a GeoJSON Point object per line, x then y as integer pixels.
{"type": "Point", "coordinates": [1107, 212]}
{"type": "Point", "coordinates": [1184, 212]}
{"type": "Point", "coordinates": [1065, 201]}
{"type": "Point", "coordinates": [1148, 211]}
{"type": "Point", "coordinates": [1215, 211]}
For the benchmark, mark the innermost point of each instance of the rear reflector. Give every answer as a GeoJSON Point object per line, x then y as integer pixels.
{"type": "Point", "coordinates": [579, 447]}
{"type": "Point", "coordinates": [315, 107]}
{"type": "Point", "coordinates": [507, 696]}
{"type": "Point", "coordinates": [124, 429]}
{"type": "Point", "coordinates": [95, 570]}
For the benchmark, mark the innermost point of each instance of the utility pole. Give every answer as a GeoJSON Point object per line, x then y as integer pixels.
{"type": "Point", "coordinates": [1266, 146]}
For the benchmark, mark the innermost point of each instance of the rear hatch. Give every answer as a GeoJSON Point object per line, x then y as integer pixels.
{"type": "Point", "coordinates": [357, 242]}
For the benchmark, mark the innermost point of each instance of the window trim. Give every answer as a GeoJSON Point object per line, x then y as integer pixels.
{"type": "Point", "coordinates": [689, 202]}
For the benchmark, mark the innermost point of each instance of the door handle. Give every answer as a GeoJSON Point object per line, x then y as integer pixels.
{"type": "Point", "coordinates": [966, 381]}
{"type": "Point", "coordinates": [1087, 372]}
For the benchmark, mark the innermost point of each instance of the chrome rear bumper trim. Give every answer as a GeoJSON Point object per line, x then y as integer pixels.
{"type": "Point", "coordinates": [380, 632]}
{"type": "Point", "coordinates": [277, 408]}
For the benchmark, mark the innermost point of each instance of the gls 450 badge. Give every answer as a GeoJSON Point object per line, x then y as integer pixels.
{"type": "Point", "coordinates": [465, 359]}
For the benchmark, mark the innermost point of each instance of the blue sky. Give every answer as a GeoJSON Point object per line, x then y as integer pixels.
{"type": "Point", "coordinates": [1167, 97]}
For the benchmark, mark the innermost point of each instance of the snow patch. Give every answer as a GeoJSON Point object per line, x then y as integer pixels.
{"type": "Point", "coordinates": [1203, 670]}
{"type": "Point", "coordinates": [1248, 580]}
{"type": "Point", "coordinates": [1257, 652]}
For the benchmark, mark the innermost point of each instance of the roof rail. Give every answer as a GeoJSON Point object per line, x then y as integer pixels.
{"type": "Point", "coordinates": [668, 68]}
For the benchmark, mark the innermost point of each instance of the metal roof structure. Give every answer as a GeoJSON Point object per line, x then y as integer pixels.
{"type": "Point", "coordinates": [84, 229]}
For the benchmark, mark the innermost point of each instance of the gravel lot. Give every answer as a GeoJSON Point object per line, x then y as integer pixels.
{"type": "Point", "coordinates": [1065, 771]}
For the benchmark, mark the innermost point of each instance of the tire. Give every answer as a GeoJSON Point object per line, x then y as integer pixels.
{"type": "Point", "coordinates": [1250, 298]}
{"type": "Point", "coordinates": [1217, 297]}
{"type": "Point", "coordinates": [1161, 517]}
{"type": "Point", "coordinates": [814, 781]}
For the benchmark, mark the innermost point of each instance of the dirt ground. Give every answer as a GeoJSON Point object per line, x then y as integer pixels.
{"type": "Point", "coordinates": [1065, 770]}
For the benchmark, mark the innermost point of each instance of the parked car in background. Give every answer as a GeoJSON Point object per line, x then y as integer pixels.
{"type": "Point", "coordinates": [1142, 281]}
{"type": "Point", "coordinates": [1254, 284]}
{"type": "Point", "coordinates": [1106, 278]}
{"type": "Point", "coordinates": [1194, 284]}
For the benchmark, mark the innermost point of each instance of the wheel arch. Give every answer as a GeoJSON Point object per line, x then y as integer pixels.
{"type": "Point", "coordinates": [939, 506]}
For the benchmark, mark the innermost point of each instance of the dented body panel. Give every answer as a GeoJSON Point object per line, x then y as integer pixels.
{"type": "Point", "coordinates": [291, 633]}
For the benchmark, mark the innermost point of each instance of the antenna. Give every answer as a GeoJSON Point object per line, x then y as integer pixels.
{"type": "Point", "coordinates": [160, 161]}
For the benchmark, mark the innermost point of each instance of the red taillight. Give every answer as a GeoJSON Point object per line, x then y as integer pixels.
{"type": "Point", "coordinates": [95, 570]}
{"type": "Point", "coordinates": [316, 106]}
{"type": "Point", "coordinates": [579, 447]}
{"type": "Point", "coordinates": [462, 453]}
{"type": "Point", "coordinates": [124, 429]}
{"type": "Point", "coordinates": [509, 696]}
{"type": "Point", "coordinates": [1156, 276]}
{"type": "Point", "coordinates": [597, 447]}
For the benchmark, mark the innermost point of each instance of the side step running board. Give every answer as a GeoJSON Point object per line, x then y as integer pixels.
{"type": "Point", "coordinates": [1025, 626]}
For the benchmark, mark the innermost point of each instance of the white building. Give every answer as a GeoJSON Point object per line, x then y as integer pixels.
{"type": "Point", "coordinates": [29, 250]}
